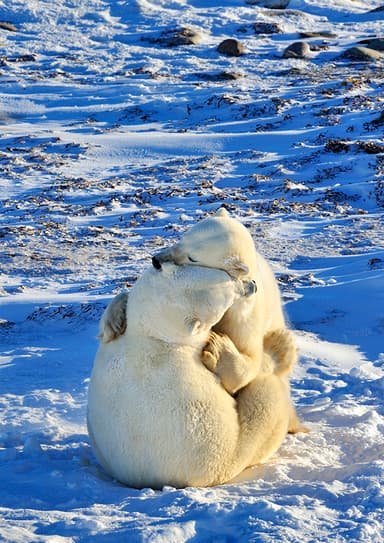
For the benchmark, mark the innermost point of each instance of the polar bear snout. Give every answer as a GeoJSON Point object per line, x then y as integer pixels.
{"type": "Point", "coordinates": [170, 254]}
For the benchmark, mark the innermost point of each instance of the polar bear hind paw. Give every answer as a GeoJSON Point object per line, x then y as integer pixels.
{"type": "Point", "coordinates": [281, 346]}
{"type": "Point", "coordinates": [295, 426]}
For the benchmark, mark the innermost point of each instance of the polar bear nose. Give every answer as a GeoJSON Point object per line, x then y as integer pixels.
{"type": "Point", "coordinates": [156, 263]}
{"type": "Point", "coordinates": [250, 287]}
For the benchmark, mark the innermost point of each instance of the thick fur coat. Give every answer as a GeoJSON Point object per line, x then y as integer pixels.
{"type": "Point", "coordinates": [222, 242]}
{"type": "Point", "coordinates": [156, 415]}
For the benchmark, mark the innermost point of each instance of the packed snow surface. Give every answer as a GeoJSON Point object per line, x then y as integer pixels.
{"type": "Point", "coordinates": [115, 138]}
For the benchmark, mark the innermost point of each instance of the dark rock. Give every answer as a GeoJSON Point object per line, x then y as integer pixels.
{"type": "Point", "coordinates": [298, 49]}
{"type": "Point", "coordinates": [8, 26]}
{"type": "Point", "coordinates": [231, 47]}
{"type": "Point", "coordinates": [219, 76]}
{"type": "Point", "coordinates": [273, 4]}
{"type": "Point", "coordinates": [337, 146]}
{"type": "Point", "coordinates": [23, 58]}
{"type": "Point", "coordinates": [320, 34]}
{"type": "Point", "coordinates": [20, 58]}
{"type": "Point", "coordinates": [371, 147]}
{"type": "Point", "coordinates": [293, 13]}
{"type": "Point", "coordinates": [177, 36]}
{"type": "Point", "coordinates": [267, 28]}
{"type": "Point", "coordinates": [362, 53]}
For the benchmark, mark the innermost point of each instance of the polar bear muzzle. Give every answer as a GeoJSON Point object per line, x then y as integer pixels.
{"type": "Point", "coordinates": [156, 263]}
{"type": "Point", "coordinates": [170, 254]}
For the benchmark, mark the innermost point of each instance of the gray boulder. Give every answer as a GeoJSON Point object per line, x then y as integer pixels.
{"type": "Point", "coordinates": [363, 54]}
{"type": "Point", "coordinates": [298, 49]}
{"type": "Point", "coordinates": [267, 28]}
{"type": "Point", "coordinates": [231, 48]}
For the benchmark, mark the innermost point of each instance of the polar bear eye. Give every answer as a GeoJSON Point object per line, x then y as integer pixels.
{"type": "Point", "coordinates": [191, 259]}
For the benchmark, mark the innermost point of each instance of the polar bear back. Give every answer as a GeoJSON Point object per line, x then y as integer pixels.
{"type": "Point", "coordinates": [172, 420]}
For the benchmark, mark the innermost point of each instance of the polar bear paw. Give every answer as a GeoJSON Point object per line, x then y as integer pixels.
{"type": "Point", "coordinates": [221, 356]}
{"type": "Point", "coordinates": [281, 346]}
{"type": "Point", "coordinates": [113, 322]}
{"type": "Point", "coordinates": [212, 351]}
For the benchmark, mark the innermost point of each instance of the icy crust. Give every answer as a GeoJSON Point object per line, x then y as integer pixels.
{"type": "Point", "coordinates": [117, 135]}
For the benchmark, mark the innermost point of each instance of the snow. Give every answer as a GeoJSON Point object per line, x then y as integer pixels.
{"type": "Point", "coordinates": [111, 146]}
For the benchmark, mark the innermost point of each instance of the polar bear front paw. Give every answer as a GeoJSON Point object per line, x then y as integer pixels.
{"type": "Point", "coordinates": [113, 322]}
{"type": "Point", "coordinates": [211, 352]}
{"type": "Point", "coordinates": [221, 356]}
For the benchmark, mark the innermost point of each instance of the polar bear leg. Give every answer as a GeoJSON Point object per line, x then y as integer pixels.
{"type": "Point", "coordinates": [114, 319]}
{"type": "Point", "coordinates": [263, 409]}
{"type": "Point", "coordinates": [281, 347]}
{"type": "Point", "coordinates": [236, 370]}
{"type": "Point", "coordinates": [295, 425]}
{"type": "Point", "coordinates": [221, 356]}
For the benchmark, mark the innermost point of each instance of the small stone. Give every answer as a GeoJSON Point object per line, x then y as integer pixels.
{"type": "Point", "coordinates": [337, 146]}
{"type": "Point", "coordinates": [362, 53]}
{"type": "Point", "coordinates": [177, 36]}
{"type": "Point", "coordinates": [231, 48]}
{"type": "Point", "coordinates": [219, 76]}
{"type": "Point", "coordinates": [272, 4]}
{"type": "Point", "coordinates": [320, 34]}
{"type": "Point", "coordinates": [371, 147]}
{"type": "Point", "coordinates": [23, 58]}
{"type": "Point", "coordinates": [8, 26]}
{"type": "Point", "coordinates": [267, 28]}
{"type": "Point", "coordinates": [298, 49]}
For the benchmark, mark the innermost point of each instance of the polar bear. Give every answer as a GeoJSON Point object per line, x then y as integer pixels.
{"type": "Point", "coordinates": [222, 242]}
{"type": "Point", "coordinates": [156, 415]}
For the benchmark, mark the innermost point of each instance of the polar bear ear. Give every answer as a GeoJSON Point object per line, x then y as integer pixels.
{"type": "Point", "coordinates": [193, 325]}
{"type": "Point", "coordinates": [236, 267]}
{"type": "Point", "coordinates": [240, 267]}
{"type": "Point", "coordinates": [222, 212]}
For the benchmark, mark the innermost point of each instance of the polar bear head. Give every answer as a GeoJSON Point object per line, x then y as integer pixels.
{"type": "Point", "coordinates": [215, 242]}
{"type": "Point", "coordinates": [180, 304]}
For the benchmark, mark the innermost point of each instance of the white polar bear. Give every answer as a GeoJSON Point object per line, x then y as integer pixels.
{"type": "Point", "coordinates": [156, 415]}
{"type": "Point", "coordinates": [222, 242]}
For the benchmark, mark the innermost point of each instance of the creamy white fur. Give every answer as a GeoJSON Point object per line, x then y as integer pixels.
{"type": "Point", "coordinates": [222, 242]}
{"type": "Point", "coordinates": [156, 415]}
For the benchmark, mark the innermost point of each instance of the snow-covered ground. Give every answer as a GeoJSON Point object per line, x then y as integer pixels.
{"type": "Point", "coordinates": [112, 143]}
